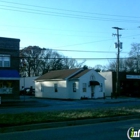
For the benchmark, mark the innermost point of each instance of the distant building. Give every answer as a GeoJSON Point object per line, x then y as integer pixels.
{"type": "Point", "coordinates": [129, 84]}
{"type": "Point", "coordinates": [70, 84]}
{"type": "Point", "coordinates": [9, 68]}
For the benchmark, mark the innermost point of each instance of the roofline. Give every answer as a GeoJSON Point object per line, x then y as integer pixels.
{"type": "Point", "coordinates": [9, 38]}
{"type": "Point", "coordinates": [49, 80]}
{"type": "Point", "coordinates": [73, 74]}
{"type": "Point", "coordinates": [77, 79]}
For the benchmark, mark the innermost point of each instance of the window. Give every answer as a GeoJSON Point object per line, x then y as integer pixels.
{"type": "Point", "coordinates": [101, 87]}
{"type": "Point", "coordinates": [92, 77]}
{"type": "Point", "coordinates": [84, 87]}
{"type": "Point", "coordinates": [42, 88]}
{"type": "Point", "coordinates": [4, 60]}
{"type": "Point", "coordinates": [55, 88]}
{"type": "Point", "coordinates": [74, 87]}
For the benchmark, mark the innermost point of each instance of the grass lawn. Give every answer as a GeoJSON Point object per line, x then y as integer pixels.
{"type": "Point", "coordinates": [43, 117]}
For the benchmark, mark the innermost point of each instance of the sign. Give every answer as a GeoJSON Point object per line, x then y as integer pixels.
{"type": "Point", "coordinates": [132, 76]}
{"type": "Point", "coordinates": [131, 133]}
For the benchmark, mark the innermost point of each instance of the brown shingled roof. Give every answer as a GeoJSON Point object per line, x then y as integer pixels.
{"type": "Point", "coordinates": [81, 73]}
{"type": "Point", "coordinates": [58, 74]}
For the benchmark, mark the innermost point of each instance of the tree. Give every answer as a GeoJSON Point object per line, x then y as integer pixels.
{"type": "Point", "coordinates": [135, 50]}
{"type": "Point", "coordinates": [36, 61]}
{"type": "Point", "coordinates": [99, 68]}
{"type": "Point", "coordinates": [30, 61]}
{"type": "Point", "coordinates": [123, 66]}
{"type": "Point", "coordinates": [85, 67]}
{"type": "Point", "coordinates": [129, 64]}
{"type": "Point", "coordinates": [134, 54]}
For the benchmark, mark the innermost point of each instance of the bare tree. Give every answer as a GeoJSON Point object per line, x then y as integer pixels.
{"type": "Point", "coordinates": [36, 61]}
{"type": "Point", "coordinates": [135, 56]}
{"type": "Point", "coordinates": [135, 50]}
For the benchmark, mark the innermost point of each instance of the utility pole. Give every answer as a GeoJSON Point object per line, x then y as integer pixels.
{"type": "Point", "coordinates": [118, 56]}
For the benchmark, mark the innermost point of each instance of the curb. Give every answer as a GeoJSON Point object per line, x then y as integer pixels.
{"type": "Point", "coordinates": [65, 124]}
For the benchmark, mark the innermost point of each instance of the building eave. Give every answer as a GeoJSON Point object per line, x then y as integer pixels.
{"type": "Point", "coordinates": [41, 80]}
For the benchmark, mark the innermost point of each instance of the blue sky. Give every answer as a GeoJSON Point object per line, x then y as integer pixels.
{"type": "Point", "coordinates": [72, 25]}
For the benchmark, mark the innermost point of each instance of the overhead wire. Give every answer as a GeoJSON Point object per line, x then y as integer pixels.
{"type": "Point", "coordinates": [66, 15]}
{"type": "Point", "coordinates": [68, 10]}
{"type": "Point", "coordinates": [20, 9]}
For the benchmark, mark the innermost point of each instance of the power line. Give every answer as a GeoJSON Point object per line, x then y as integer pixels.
{"type": "Point", "coordinates": [82, 43]}
{"type": "Point", "coordinates": [86, 51]}
{"type": "Point", "coordinates": [59, 9]}
{"type": "Point", "coordinates": [80, 51]}
{"type": "Point", "coordinates": [71, 58]}
{"type": "Point", "coordinates": [65, 15]}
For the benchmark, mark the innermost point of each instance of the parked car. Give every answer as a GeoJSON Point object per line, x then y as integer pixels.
{"type": "Point", "coordinates": [27, 91]}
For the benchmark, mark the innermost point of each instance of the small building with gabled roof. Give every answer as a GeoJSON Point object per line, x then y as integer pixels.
{"type": "Point", "coordinates": [70, 84]}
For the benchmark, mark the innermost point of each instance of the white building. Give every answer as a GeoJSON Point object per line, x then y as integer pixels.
{"type": "Point", "coordinates": [70, 84]}
{"type": "Point", "coordinates": [27, 82]}
{"type": "Point", "coordinates": [108, 82]}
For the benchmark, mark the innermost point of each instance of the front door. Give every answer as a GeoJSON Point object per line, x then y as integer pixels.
{"type": "Point", "coordinates": [92, 91]}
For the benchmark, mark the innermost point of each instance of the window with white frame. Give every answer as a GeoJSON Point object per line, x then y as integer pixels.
{"type": "Point", "coordinates": [74, 87]}
{"type": "Point", "coordinates": [4, 60]}
{"type": "Point", "coordinates": [55, 88]}
{"type": "Point", "coordinates": [84, 87]}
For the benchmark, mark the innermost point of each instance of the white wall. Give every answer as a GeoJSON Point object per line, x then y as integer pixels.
{"type": "Point", "coordinates": [38, 92]}
{"type": "Point", "coordinates": [108, 82]}
{"type": "Point", "coordinates": [27, 82]}
{"type": "Point", "coordinates": [97, 90]}
{"type": "Point", "coordinates": [71, 94]}
{"type": "Point", "coordinates": [46, 89]}
{"type": "Point", "coordinates": [65, 88]}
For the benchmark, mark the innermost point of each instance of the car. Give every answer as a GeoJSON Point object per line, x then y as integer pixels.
{"type": "Point", "coordinates": [27, 91]}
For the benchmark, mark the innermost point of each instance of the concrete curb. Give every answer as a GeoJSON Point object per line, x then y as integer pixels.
{"type": "Point", "coordinates": [64, 124]}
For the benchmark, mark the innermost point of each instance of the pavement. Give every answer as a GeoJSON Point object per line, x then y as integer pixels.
{"type": "Point", "coordinates": [32, 101]}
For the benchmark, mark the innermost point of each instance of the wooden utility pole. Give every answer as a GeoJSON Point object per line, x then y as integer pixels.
{"type": "Point", "coordinates": [118, 57]}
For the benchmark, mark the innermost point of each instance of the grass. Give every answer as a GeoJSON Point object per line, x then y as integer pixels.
{"type": "Point", "coordinates": [44, 117]}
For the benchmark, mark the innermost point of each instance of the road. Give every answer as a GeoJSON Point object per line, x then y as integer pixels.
{"type": "Point", "coordinates": [101, 131]}
{"type": "Point", "coordinates": [39, 105]}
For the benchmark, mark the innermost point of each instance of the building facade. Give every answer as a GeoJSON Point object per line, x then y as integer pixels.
{"type": "Point", "coordinates": [9, 68]}
{"type": "Point", "coordinates": [129, 84]}
{"type": "Point", "coordinates": [70, 84]}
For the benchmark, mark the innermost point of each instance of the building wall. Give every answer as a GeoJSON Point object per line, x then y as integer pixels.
{"type": "Point", "coordinates": [66, 89]}
{"type": "Point", "coordinates": [27, 82]}
{"type": "Point", "coordinates": [10, 46]}
{"type": "Point", "coordinates": [98, 90]}
{"type": "Point", "coordinates": [108, 83]}
{"type": "Point", "coordinates": [73, 94]}
{"type": "Point", "coordinates": [46, 89]}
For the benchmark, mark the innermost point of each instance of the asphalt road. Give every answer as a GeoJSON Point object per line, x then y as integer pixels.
{"type": "Point", "coordinates": [101, 131]}
{"type": "Point", "coordinates": [39, 105]}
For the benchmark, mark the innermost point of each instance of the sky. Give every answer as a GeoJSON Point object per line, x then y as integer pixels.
{"type": "Point", "coordinates": [72, 25]}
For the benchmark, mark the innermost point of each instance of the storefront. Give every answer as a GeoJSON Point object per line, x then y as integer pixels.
{"type": "Point", "coordinates": [9, 84]}
{"type": "Point", "coordinates": [130, 86]}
